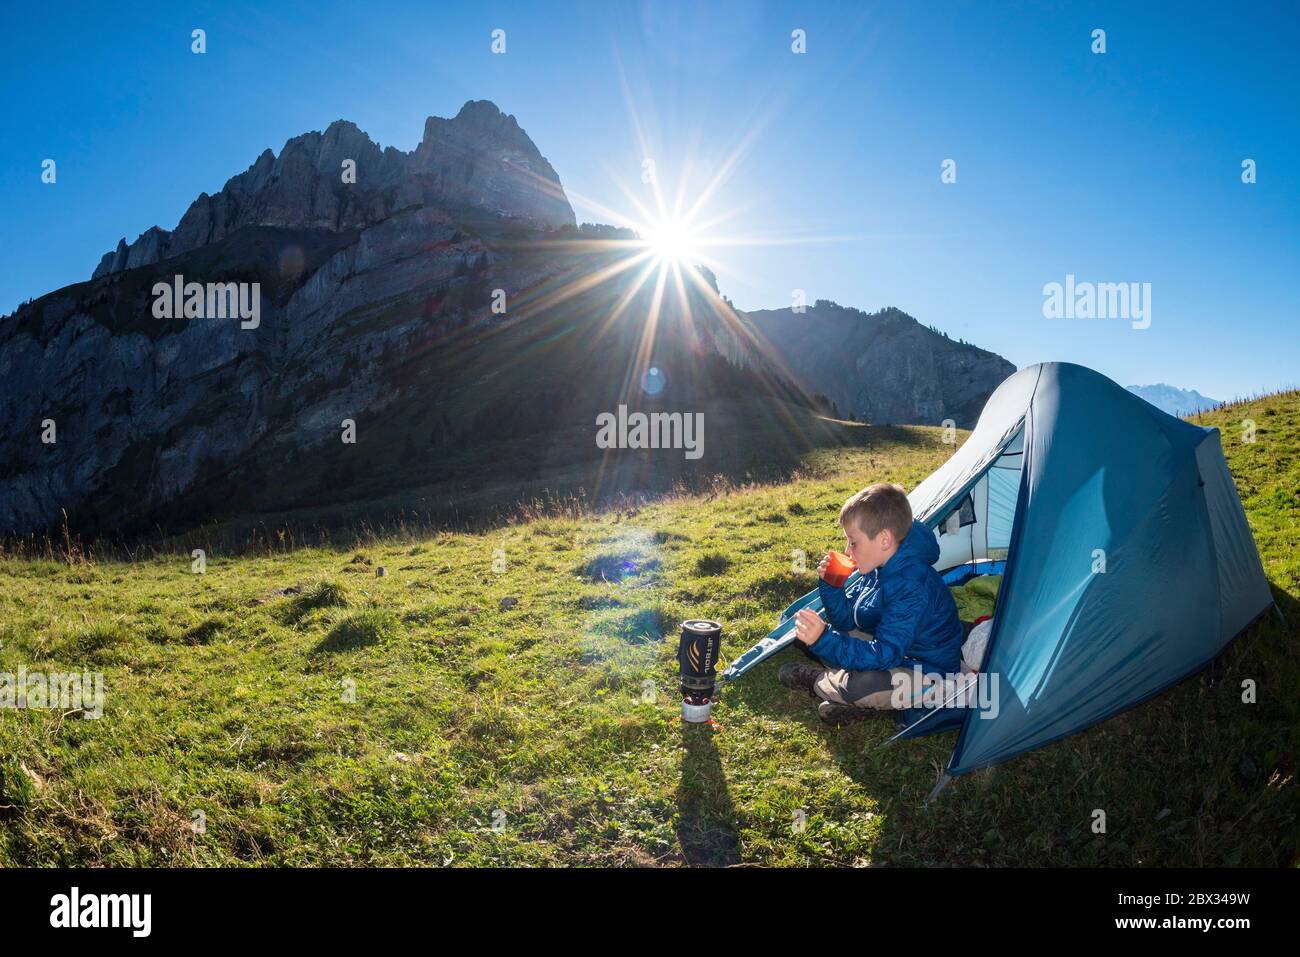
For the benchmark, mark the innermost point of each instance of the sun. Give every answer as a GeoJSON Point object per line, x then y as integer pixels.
{"type": "Point", "coordinates": [672, 242]}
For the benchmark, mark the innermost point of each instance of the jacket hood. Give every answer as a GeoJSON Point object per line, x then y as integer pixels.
{"type": "Point", "coordinates": [919, 548]}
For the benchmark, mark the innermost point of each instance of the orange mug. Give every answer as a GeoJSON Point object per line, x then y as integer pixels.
{"type": "Point", "coordinates": [838, 569]}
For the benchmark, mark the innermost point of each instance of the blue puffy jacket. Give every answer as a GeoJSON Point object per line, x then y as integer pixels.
{"type": "Point", "coordinates": [905, 606]}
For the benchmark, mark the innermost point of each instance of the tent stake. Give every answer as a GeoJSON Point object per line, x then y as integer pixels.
{"type": "Point", "coordinates": [1280, 617]}
{"type": "Point", "coordinates": [1208, 676]}
{"type": "Point", "coordinates": [943, 781]}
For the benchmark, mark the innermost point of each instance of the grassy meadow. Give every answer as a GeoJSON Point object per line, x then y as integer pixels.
{"type": "Point", "coordinates": [508, 697]}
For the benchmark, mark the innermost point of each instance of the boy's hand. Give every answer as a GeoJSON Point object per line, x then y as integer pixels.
{"type": "Point", "coordinates": [808, 626]}
{"type": "Point", "coordinates": [821, 566]}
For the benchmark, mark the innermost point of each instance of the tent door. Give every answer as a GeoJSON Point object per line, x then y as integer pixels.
{"type": "Point", "coordinates": [975, 531]}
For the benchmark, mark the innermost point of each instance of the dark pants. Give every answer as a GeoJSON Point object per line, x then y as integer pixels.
{"type": "Point", "coordinates": [879, 690]}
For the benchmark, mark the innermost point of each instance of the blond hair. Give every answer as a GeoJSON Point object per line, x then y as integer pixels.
{"type": "Point", "coordinates": [883, 505]}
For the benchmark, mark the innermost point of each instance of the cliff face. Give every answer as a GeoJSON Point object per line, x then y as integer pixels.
{"type": "Point", "coordinates": [885, 368]}
{"type": "Point", "coordinates": [144, 409]}
{"type": "Point", "coordinates": [480, 160]}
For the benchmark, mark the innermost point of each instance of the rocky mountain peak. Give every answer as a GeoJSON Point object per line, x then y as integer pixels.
{"type": "Point", "coordinates": [479, 159]}
{"type": "Point", "coordinates": [479, 122]}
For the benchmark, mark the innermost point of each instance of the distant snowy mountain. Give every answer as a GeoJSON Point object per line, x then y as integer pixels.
{"type": "Point", "coordinates": [1173, 400]}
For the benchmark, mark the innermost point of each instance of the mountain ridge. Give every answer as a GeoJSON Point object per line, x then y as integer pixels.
{"type": "Point", "coordinates": [884, 367]}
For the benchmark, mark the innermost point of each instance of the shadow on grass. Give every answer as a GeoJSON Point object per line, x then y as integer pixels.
{"type": "Point", "coordinates": [323, 594]}
{"type": "Point", "coordinates": [359, 629]}
{"type": "Point", "coordinates": [615, 567]}
{"type": "Point", "coordinates": [706, 828]}
{"type": "Point", "coordinates": [204, 632]}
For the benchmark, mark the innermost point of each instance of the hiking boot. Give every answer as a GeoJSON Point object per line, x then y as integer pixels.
{"type": "Point", "coordinates": [841, 714]}
{"type": "Point", "coordinates": [800, 676]}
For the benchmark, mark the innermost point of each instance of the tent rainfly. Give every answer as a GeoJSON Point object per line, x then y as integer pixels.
{"type": "Point", "coordinates": [1126, 557]}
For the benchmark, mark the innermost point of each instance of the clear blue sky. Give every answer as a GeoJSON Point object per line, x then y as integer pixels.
{"type": "Point", "coordinates": [1124, 166]}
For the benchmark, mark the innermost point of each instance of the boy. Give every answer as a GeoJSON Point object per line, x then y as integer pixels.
{"type": "Point", "coordinates": [900, 599]}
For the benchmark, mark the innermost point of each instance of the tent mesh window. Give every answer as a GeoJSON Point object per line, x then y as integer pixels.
{"type": "Point", "coordinates": [959, 517]}
{"type": "Point", "coordinates": [966, 511]}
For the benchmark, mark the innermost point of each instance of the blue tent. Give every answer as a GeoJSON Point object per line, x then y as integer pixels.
{"type": "Point", "coordinates": [1126, 557]}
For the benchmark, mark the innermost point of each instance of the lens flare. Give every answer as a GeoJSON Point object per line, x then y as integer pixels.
{"type": "Point", "coordinates": [665, 251]}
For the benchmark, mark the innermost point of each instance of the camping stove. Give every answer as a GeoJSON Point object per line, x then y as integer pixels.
{"type": "Point", "coordinates": [697, 656]}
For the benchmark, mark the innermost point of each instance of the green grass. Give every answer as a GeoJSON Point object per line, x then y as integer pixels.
{"type": "Point", "coordinates": [461, 711]}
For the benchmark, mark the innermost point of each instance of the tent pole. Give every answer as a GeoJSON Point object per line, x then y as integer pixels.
{"type": "Point", "coordinates": [974, 678]}
{"type": "Point", "coordinates": [944, 778]}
